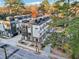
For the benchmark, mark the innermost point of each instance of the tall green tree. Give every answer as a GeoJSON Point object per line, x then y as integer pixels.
{"type": "Point", "coordinates": [73, 32]}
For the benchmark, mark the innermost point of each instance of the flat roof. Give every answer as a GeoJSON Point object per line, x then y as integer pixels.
{"type": "Point", "coordinates": [41, 21]}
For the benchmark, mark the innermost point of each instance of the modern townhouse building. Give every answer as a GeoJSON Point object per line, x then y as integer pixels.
{"type": "Point", "coordinates": [20, 18]}
{"type": "Point", "coordinates": [11, 25]}
{"type": "Point", "coordinates": [34, 33]}
{"type": "Point", "coordinates": [38, 29]}
{"type": "Point", "coordinates": [8, 27]}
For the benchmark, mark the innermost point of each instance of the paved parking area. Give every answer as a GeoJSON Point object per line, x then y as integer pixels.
{"type": "Point", "coordinates": [21, 53]}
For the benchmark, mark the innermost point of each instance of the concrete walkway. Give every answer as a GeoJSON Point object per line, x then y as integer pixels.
{"type": "Point", "coordinates": [12, 41]}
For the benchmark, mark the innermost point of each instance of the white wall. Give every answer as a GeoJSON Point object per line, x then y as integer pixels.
{"type": "Point", "coordinates": [36, 31]}
{"type": "Point", "coordinates": [39, 30]}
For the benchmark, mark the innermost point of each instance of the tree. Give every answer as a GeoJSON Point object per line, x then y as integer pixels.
{"type": "Point", "coordinates": [15, 6]}
{"type": "Point", "coordinates": [73, 32]}
{"type": "Point", "coordinates": [45, 6]}
{"type": "Point", "coordinates": [74, 8]}
{"type": "Point", "coordinates": [57, 39]}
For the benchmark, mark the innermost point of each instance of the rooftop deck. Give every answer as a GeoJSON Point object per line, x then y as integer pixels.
{"type": "Point", "coordinates": [41, 21]}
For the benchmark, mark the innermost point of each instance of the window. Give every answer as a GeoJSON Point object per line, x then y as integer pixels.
{"type": "Point", "coordinates": [40, 28]}
{"type": "Point", "coordinates": [36, 28]}
{"type": "Point", "coordinates": [40, 33]}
